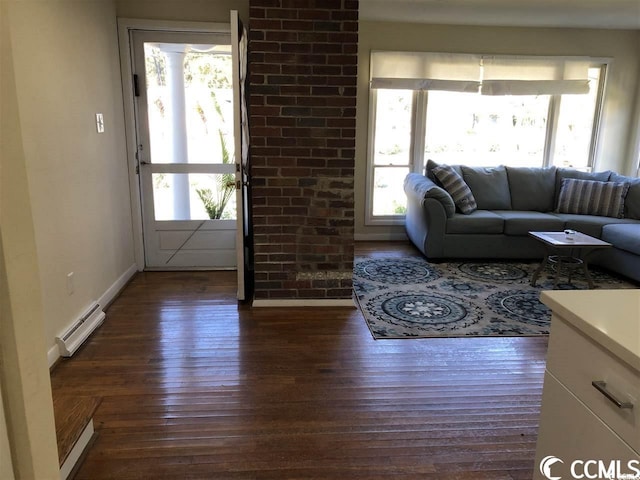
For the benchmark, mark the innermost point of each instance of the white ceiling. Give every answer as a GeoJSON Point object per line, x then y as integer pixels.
{"type": "Point", "coordinates": [615, 14]}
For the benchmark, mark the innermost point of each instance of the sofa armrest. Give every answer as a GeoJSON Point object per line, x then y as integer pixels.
{"type": "Point", "coordinates": [418, 188]}
{"type": "Point", "coordinates": [428, 207]}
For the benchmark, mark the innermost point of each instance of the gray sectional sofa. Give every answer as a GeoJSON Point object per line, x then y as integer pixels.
{"type": "Point", "coordinates": [511, 201]}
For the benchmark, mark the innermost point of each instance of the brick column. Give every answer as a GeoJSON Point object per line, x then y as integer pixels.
{"type": "Point", "coordinates": [303, 75]}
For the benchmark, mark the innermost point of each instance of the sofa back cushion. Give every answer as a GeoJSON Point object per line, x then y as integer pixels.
{"type": "Point", "coordinates": [532, 188]}
{"type": "Point", "coordinates": [632, 202]}
{"type": "Point", "coordinates": [489, 185]}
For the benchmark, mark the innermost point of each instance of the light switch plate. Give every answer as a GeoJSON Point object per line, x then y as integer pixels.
{"type": "Point", "coordinates": [99, 123]}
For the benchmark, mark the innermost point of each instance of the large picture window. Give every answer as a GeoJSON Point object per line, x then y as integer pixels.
{"type": "Point", "coordinates": [476, 110]}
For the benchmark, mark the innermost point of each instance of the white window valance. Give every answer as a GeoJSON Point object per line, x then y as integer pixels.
{"type": "Point", "coordinates": [485, 74]}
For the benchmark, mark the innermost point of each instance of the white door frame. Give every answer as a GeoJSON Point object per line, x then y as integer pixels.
{"type": "Point", "coordinates": [125, 25]}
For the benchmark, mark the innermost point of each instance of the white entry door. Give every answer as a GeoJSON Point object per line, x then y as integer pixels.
{"type": "Point", "coordinates": [186, 148]}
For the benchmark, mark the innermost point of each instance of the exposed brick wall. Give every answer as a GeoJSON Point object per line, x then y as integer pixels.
{"type": "Point", "coordinates": [302, 96]}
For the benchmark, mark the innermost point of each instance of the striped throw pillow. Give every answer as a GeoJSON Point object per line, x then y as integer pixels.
{"type": "Point", "coordinates": [590, 197]}
{"type": "Point", "coordinates": [455, 186]}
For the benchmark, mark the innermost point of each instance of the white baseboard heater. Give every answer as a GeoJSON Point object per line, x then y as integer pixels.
{"type": "Point", "coordinates": [75, 335]}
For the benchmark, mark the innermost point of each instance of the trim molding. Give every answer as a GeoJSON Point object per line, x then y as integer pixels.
{"type": "Point", "coordinates": [53, 354]}
{"type": "Point", "coordinates": [302, 303]}
{"type": "Point", "coordinates": [380, 237]}
{"type": "Point", "coordinates": [77, 451]}
{"type": "Point", "coordinates": [112, 292]}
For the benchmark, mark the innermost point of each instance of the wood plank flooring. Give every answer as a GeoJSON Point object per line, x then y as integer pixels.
{"type": "Point", "coordinates": [194, 386]}
{"type": "Point", "coordinates": [72, 414]}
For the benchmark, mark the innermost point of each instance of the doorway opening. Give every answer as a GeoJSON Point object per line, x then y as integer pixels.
{"type": "Point", "coordinates": [185, 143]}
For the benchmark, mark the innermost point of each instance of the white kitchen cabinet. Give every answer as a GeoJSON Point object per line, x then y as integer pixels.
{"type": "Point", "coordinates": [590, 416]}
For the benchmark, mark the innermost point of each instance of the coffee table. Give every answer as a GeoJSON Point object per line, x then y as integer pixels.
{"type": "Point", "coordinates": [570, 251]}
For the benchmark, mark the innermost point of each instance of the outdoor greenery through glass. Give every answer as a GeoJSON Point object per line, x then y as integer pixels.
{"type": "Point", "coordinates": [208, 99]}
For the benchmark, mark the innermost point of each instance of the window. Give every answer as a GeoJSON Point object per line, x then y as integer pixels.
{"type": "Point", "coordinates": [475, 110]}
{"type": "Point", "coordinates": [392, 150]}
{"type": "Point", "coordinates": [473, 129]}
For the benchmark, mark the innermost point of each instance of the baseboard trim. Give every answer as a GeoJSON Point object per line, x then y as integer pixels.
{"type": "Point", "coordinates": [112, 292]}
{"type": "Point", "coordinates": [302, 303]}
{"type": "Point", "coordinates": [77, 451]}
{"type": "Point", "coordinates": [53, 354]}
{"type": "Point", "coordinates": [380, 237]}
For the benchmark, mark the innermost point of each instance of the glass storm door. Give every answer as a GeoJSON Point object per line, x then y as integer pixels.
{"type": "Point", "coordinates": [186, 149]}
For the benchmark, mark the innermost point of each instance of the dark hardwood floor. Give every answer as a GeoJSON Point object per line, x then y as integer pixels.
{"type": "Point", "coordinates": [195, 387]}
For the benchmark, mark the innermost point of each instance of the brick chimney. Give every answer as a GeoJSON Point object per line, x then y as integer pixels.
{"type": "Point", "coordinates": [302, 94]}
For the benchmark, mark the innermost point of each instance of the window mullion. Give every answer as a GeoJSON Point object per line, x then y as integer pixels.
{"type": "Point", "coordinates": [552, 123]}
{"type": "Point", "coordinates": [419, 130]}
{"type": "Point", "coordinates": [597, 117]}
{"type": "Point", "coordinates": [373, 105]}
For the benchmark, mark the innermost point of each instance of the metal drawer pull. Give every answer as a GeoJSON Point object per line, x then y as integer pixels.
{"type": "Point", "coordinates": [601, 386]}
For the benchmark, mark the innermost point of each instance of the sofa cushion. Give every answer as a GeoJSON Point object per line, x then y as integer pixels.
{"type": "Point", "coordinates": [562, 173]}
{"type": "Point", "coordinates": [489, 185]}
{"type": "Point", "coordinates": [532, 188]}
{"type": "Point", "coordinates": [632, 202]}
{"type": "Point", "coordinates": [590, 224]}
{"type": "Point", "coordinates": [522, 222]}
{"type": "Point", "coordinates": [457, 188]}
{"type": "Point", "coordinates": [480, 221]}
{"type": "Point", "coordinates": [623, 236]}
{"type": "Point", "coordinates": [589, 197]}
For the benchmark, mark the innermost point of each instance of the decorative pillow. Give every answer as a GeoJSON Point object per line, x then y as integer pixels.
{"type": "Point", "coordinates": [563, 173]}
{"type": "Point", "coordinates": [428, 171]}
{"type": "Point", "coordinates": [490, 186]}
{"type": "Point", "coordinates": [632, 200]}
{"type": "Point", "coordinates": [590, 197]}
{"type": "Point", "coordinates": [457, 188]}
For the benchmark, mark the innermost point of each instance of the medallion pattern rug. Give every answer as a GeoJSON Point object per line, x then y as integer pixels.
{"type": "Point", "coordinates": [408, 297]}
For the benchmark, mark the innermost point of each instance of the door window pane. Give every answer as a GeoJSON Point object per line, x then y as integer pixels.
{"type": "Point", "coordinates": [178, 196]}
{"type": "Point", "coordinates": [190, 103]}
{"type": "Point", "coordinates": [471, 129]}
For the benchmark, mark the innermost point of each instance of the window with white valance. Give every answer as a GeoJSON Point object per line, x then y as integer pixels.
{"type": "Point", "coordinates": [476, 109]}
{"type": "Point", "coordinates": [487, 75]}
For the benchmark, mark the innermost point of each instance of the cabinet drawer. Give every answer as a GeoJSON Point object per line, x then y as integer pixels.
{"type": "Point", "coordinates": [571, 432]}
{"type": "Point", "coordinates": [576, 361]}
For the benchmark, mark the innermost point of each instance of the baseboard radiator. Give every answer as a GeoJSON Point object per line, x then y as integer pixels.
{"type": "Point", "coordinates": [75, 335]}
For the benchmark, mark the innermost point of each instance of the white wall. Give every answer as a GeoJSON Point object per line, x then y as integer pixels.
{"type": "Point", "coordinates": [67, 70]}
{"type": "Point", "coordinates": [6, 463]}
{"type": "Point", "coordinates": [185, 10]}
{"type": "Point", "coordinates": [24, 374]}
{"type": "Point", "coordinates": [617, 136]}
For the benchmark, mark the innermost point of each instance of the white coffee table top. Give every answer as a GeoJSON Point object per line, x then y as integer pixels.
{"type": "Point", "coordinates": [561, 239]}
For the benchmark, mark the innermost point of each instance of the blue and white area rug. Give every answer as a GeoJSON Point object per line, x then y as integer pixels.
{"type": "Point", "coordinates": [408, 297]}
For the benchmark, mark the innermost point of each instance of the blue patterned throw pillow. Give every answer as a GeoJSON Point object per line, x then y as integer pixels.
{"type": "Point", "coordinates": [590, 197]}
{"type": "Point", "coordinates": [455, 186]}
